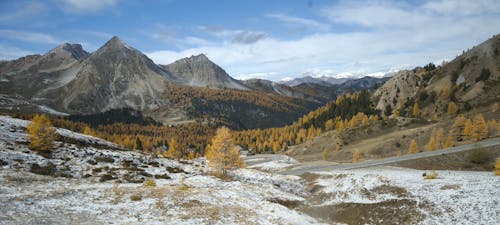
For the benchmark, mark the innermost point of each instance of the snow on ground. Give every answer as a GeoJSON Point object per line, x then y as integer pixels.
{"type": "Point", "coordinates": [455, 197]}
{"type": "Point", "coordinates": [93, 183]}
{"type": "Point", "coordinates": [277, 165]}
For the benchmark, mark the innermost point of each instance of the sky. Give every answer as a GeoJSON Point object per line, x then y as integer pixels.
{"type": "Point", "coordinates": [259, 38]}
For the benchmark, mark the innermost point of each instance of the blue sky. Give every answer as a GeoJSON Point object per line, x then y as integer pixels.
{"type": "Point", "coordinates": [265, 39]}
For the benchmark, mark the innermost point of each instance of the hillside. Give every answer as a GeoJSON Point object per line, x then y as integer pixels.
{"type": "Point", "coordinates": [68, 80]}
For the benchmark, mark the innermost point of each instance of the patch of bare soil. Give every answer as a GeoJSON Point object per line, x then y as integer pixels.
{"type": "Point", "coordinates": [396, 211]}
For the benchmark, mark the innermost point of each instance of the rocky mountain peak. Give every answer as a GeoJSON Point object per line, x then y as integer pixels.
{"type": "Point", "coordinates": [74, 50]}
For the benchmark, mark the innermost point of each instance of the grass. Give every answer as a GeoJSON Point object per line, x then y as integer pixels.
{"type": "Point", "coordinates": [149, 183]}
{"type": "Point", "coordinates": [431, 175]}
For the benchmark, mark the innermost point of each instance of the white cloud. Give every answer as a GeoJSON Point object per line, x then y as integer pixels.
{"type": "Point", "coordinates": [301, 22]}
{"type": "Point", "coordinates": [27, 36]}
{"type": "Point", "coordinates": [83, 6]}
{"type": "Point", "coordinates": [28, 10]}
{"type": "Point", "coordinates": [9, 52]}
{"type": "Point", "coordinates": [398, 35]}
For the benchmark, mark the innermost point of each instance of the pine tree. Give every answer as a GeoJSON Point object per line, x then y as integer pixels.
{"type": "Point", "coordinates": [479, 128]}
{"type": "Point", "coordinates": [452, 109]}
{"type": "Point", "coordinates": [449, 142]}
{"type": "Point", "coordinates": [356, 156]}
{"type": "Point", "coordinates": [223, 154]}
{"type": "Point", "coordinates": [138, 144]}
{"type": "Point", "coordinates": [413, 147]}
{"type": "Point", "coordinates": [41, 133]}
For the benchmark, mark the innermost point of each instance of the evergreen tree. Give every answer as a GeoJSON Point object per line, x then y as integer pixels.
{"type": "Point", "coordinates": [138, 144]}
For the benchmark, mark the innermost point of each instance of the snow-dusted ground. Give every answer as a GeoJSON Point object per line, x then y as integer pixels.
{"type": "Point", "coordinates": [455, 197]}
{"type": "Point", "coordinates": [90, 183]}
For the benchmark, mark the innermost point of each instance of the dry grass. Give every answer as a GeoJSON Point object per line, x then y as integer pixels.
{"type": "Point", "coordinates": [431, 175]}
{"type": "Point", "coordinates": [149, 183]}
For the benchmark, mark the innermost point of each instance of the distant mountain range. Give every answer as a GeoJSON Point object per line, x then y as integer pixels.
{"type": "Point", "coordinates": [69, 80]}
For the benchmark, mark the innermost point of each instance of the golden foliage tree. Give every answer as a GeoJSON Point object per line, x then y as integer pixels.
{"type": "Point", "coordinates": [449, 142]}
{"type": "Point", "coordinates": [452, 109]}
{"type": "Point", "coordinates": [416, 110]}
{"type": "Point", "coordinates": [467, 132]}
{"type": "Point", "coordinates": [41, 133]}
{"type": "Point", "coordinates": [173, 149]}
{"type": "Point", "coordinates": [457, 129]}
{"type": "Point", "coordinates": [223, 154]}
{"type": "Point", "coordinates": [479, 128]}
{"type": "Point", "coordinates": [356, 156]}
{"type": "Point", "coordinates": [326, 154]}
{"type": "Point", "coordinates": [413, 147]}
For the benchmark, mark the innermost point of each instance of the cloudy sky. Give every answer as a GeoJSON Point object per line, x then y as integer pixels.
{"type": "Point", "coordinates": [259, 38]}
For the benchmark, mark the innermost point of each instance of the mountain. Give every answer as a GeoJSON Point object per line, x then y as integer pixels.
{"type": "Point", "coordinates": [272, 87]}
{"type": "Point", "coordinates": [199, 71]}
{"type": "Point", "coordinates": [115, 76]}
{"type": "Point", "coordinates": [305, 79]}
{"type": "Point", "coordinates": [31, 75]}
{"type": "Point", "coordinates": [68, 80]}
{"type": "Point", "coordinates": [470, 80]}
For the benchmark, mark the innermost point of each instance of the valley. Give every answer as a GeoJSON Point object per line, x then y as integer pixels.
{"type": "Point", "coordinates": [250, 112]}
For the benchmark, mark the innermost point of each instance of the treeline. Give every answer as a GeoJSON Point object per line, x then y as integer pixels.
{"type": "Point", "coordinates": [191, 138]}
{"type": "Point", "coordinates": [348, 111]}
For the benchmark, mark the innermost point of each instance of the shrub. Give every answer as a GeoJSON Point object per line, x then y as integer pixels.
{"type": "Point", "coordinates": [478, 157]}
{"type": "Point", "coordinates": [431, 175]}
{"type": "Point", "coordinates": [149, 183]}
{"type": "Point", "coordinates": [135, 198]}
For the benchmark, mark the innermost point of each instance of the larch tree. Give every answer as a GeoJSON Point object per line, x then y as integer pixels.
{"type": "Point", "coordinates": [467, 132]}
{"type": "Point", "coordinates": [479, 128]}
{"type": "Point", "coordinates": [326, 154]}
{"type": "Point", "coordinates": [41, 133]}
{"type": "Point", "coordinates": [449, 142]}
{"type": "Point", "coordinates": [356, 156]}
{"type": "Point", "coordinates": [174, 150]}
{"type": "Point", "coordinates": [413, 147]}
{"type": "Point", "coordinates": [416, 110]}
{"type": "Point", "coordinates": [457, 129]}
{"type": "Point", "coordinates": [452, 109]}
{"type": "Point", "coordinates": [223, 154]}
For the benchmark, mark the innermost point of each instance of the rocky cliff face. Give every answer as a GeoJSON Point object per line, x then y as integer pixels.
{"type": "Point", "coordinates": [199, 71]}
{"type": "Point", "coordinates": [396, 91]}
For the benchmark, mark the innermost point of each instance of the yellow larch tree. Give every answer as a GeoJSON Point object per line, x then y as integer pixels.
{"type": "Point", "coordinates": [223, 154]}
{"type": "Point", "coordinates": [174, 150]}
{"type": "Point", "coordinates": [356, 156]}
{"type": "Point", "coordinates": [326, 154]}
{"type": "Point", "coordinates": [413, 147]}
{"type": "Point", "coordinates": [479, 128]}
{"type": "Point", "coordinates": [416, 110]}
{"type": "Point", "coordinates": [467, 132]}
{"type": "Point", "coordinates": [452, 109]}
{"type": "Point", "coordinates": [41, 133]}
{"type": "Point", "coordinates": [449, 142]}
